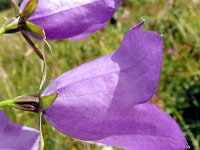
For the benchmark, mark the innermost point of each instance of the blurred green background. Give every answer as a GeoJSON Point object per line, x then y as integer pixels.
{"type": "Point", "coordinates": [179, 89]}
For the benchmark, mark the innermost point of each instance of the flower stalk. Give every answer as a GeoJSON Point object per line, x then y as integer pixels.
{"type": "Point", "coordinates": [33, 103]}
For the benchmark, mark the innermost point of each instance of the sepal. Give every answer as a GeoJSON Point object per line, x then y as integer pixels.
{"type": "Point", "coordinates": [16, 8]}
{"type": "Point", "coordinates": [36, 30]}
{"type": "Point", "coordinates": [9, 26]}
{"type": "Point", "coordinates": [47, 101]}
{"type": "Point", "coordinates": [29, 8]}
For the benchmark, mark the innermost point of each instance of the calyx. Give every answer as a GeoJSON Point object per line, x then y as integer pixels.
{"type": "Point", "coordinates": [32, 102]}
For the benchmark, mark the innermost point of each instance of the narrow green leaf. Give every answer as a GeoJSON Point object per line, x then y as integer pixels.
{"type": "Point", "coordinates": [47, 66]}
{"type": "Point", "coordinates": [9, 21]}
{"type": "Point", "coordinates": [16, 8]}
{"type": "Point", "coordinates": [5, 18]}
{"type": "Point", "coordinates": [35, 29]}
{"type": "Point", "coordinates": [9, 25]}
{"type": "Point", "coordinates": [47, 101]}
{"type": "Point", "coordinates": [29, 8]}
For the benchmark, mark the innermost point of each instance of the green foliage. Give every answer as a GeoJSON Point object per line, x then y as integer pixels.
{"type": "Point", "coordinates": [179, 88]}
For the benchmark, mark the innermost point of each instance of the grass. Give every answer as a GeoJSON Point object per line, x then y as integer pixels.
{"type": "Point", "coordinates": [179, 89]}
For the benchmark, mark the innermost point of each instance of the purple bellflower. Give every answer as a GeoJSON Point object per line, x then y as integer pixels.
{"type": "Point", "coordinates": [14, 136]}
{"type": "Point", "coordinates": [72, 18]}
{"type": "Point", "coordinates": [105, 100]}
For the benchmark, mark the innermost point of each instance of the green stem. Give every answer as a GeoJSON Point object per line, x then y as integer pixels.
{"type": "Point", "coordinates": [41, 130]}
{"type": "Point", "coordinates": [7, 103]}
{"type": "Point", "coordinates": [25, 35]}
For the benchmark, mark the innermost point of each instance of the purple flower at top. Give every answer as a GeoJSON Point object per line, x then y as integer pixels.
{"type": "Point", "coordinates": [14, 136]}
{"type": "Point", "coordinates": [72, 18]}
{"type": "Point", "coordinates": [106, 100]}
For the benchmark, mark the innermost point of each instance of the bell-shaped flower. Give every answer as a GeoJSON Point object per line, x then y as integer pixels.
{"type": "Point", "coordinates": [14, 136]}
{"type": "Point", "coordinates": [72, 18]}
{"type": "Point", "coordinates": [105, 100]}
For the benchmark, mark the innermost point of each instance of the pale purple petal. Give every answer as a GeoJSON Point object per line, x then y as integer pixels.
{"type": "Point", "coordinates": [142, 127]}
{"type": "Point", "coordinates": [3, 120]}
{"type": "Point", "coordinates": [124, 78]}
{"type": "Point", "coordinates": [66, 18]}
{"type": "Point", "coordinates": [88, 31]}
{"type": "Point", "coordinates": [14, 136]}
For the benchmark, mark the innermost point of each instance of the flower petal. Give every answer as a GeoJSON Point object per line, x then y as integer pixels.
{"type": "Point", "coordinates": [126, 77]}
{"type": "Point", "coordinates": [63, 18]}
{"type": "Point", "coordinates": [14, 136]}
{"type": "Point", "coordinates": [144, 126]}
{"type": "Point", "coordinates": [3, 120]}
{"type": "Point", "coordinates": [88, 31]}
